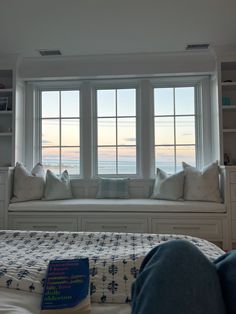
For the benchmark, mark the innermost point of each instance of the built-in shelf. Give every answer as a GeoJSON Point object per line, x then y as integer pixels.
{"type": "Point", "coordinates": [228, 97]}
{"type": "Point", "coordinates": [7, 116]}
{"type": "Point", "coordinates": [228, 83]}
{"type": "Point", "coordinates": [5, 133]}
{"type": "Point", "coordinates": [10, 111]}
{"type": "Point", "coordinates": [6, 90]}
{"type": "Point", "coordinates": [230, 107]}
{"type": "Point", "coordinates": [228, 87]}
{"type": "Point", "coordinates": [229, 130]}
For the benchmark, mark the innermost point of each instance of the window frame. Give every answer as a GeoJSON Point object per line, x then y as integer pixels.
{"type": "Point", "coordinates": [115, 84]}
{"type": "Point", "coordinates": [202, 113]}
{"type": "Point", "coordinates": [145, 141]}
{"type": "Point", "coordinates": [54, 86]}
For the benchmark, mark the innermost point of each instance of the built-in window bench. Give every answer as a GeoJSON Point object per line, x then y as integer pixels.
{"type": "Point", "coordinates": [201, 219]}
{"type": "Point", "coordinates": [139, 213]}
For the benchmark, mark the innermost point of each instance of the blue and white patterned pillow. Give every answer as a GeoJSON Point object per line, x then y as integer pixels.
{"type": "Point", "coordinates": [113, 188]}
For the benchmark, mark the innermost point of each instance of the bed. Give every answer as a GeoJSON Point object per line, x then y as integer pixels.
{"type": "Point", "coordinates": [114, 259]}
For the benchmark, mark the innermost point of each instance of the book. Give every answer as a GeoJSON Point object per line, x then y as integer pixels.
{"type": "Point", "coordinates": [66, 289]}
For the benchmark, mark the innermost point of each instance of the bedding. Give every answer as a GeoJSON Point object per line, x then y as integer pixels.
{"type": "Point", "coordinates": [114, 258]}
{"type": "Point", "coordinates": [14, 302]}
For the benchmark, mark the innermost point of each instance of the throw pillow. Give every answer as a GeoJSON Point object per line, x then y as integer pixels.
{"type": "Point", "coordinates": [168, 187]}
{"type": "Point", "coordinates": [28, 185]}
{"type": "Point", "coordinates": [113, 188]}
{"type": "Point", "coordinates": [202, 185]}
{"type": "Point", "coordinates": [57, 187]}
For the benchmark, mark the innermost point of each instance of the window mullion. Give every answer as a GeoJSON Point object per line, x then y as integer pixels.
{"type": "Point", "coordinates": [116, 137]}
{"type": "Point", "coordinates": [145, 130]}
{"type": "Point", "coordinates": [88, 128]}
{"type": "Point", "coordinates": [174, 128]}
{"type": "Point", "coordinates": [60, 121]}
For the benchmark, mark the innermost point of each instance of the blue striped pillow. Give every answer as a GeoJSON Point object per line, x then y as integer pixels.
{"type": "Point", "coordinates": [113, 188]}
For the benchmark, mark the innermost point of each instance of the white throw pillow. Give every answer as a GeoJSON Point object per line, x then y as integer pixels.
{"type": "Point", "coordinates": [57, 187]}
{"type": "Point", "coordinates": [27, 185]}
{"type": "Point", "coordinates": [202, 185]}
{"type": "Point", "coordinates": [168, 187]}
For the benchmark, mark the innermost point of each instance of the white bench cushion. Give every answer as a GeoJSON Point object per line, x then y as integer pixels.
{"type": "Point", "coordinates": [118, 205]}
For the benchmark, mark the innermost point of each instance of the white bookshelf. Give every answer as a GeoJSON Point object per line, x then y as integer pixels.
{"type": "Point", "coordinates": [11, 115]}
{"type": "Point", "coordinates": [7, 99]}
{"type": "Point", "coordinates": [227, 103]}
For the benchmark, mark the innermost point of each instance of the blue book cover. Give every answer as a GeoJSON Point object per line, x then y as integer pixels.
{"type": "Point", "coordinates": [66, 287]}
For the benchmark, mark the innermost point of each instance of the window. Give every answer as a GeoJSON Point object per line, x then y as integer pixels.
{"type": "Point", "coordinates": [123, 127]}
{"type": "Point", "coordinates": [116, 131]}
{"type": "Point", "coordinates": [175, 124]}
{"type": "Point", "coordinates": [60, 130]}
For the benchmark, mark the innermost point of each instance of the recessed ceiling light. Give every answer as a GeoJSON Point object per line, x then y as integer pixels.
{"type": "Point", "coordinates": [47, 52]}
{"type": "Point", "coordinates": [197, 46]}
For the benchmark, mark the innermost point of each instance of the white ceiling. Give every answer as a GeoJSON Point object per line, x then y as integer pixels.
{"type": "Point", "coordinates": [94, 27]}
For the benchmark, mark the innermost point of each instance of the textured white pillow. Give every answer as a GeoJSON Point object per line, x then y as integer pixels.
{"type": "Point", "coordinates": [28, 185]}
{"type": "Point", "coordinates": [57, 187]}
{"type": "Point", "coordinates": [168, 187]}
{"type": "Point", "coordinates": [202, 185]}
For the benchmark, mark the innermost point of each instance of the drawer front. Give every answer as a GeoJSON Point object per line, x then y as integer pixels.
{"type": "Point", "coordinates": [2, 178]}
{"type": "Point", "coordinates": [232, 176]}
{"type": "Point", "coordinates": [203, 228]}
{"type": "Point", "coordinates": [234, 229]}
{"type": "Point", "coordinates": [2, 204]}
{"type": "Point", "coordinates": [233, 207]}
{"type": "Point", "coordinates": [43, 223]}
{"type": "Point", "coordinates": [1, 224]}
{"type": "Point", "coordinates": [233, 192]}
{"type": "Point", "coordinates": [2, 192]}
{"type": "Point", "coordinates": [114, 224]}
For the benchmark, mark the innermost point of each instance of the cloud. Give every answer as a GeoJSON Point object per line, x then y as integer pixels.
{"type": "Point", "coordinates": [187, 134]}
{"type": "Point", "coordinates": [45, 142]}
{"type": "Point", "coordinates": [130, 139]}
{"type": "Point", "coordinates": [51, 157]}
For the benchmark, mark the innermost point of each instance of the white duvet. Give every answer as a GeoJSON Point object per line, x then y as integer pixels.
{"type": "Point", "coordinates": [21, 302]}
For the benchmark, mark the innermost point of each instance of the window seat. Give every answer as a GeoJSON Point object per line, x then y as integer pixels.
{"type": "Point", "coordinates": [205, 220]}
{"type": "Point", "coordinates": [118, 205]}
{"type": "Point", "coordinates": [139, 213]}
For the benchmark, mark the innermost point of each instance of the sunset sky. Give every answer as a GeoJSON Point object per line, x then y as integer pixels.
{"type": "Point", "coordinates": [167, 102]}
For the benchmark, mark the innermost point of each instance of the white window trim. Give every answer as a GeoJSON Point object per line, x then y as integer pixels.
{"type": "Point", "coordinates": [96, 85]}
{"type": "Point", "coordinates": [37, 88]}
{"type": "Point", "coordinates": [202, 123]}
{"type": "Point", "coordinates": [144, 120]}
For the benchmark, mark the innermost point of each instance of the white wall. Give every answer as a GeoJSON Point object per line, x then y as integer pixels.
{"type": "Point", "coordinates": [129, 65]}
{"type": "Point", "coordinates": [116, 65]}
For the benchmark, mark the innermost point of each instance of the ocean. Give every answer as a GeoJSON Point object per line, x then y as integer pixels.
{"type": "Point", "coordinates": [107, 167]}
